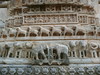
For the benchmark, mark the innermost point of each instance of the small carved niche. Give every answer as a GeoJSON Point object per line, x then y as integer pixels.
{"type": "Point", "coordinates": [46, 52]}
{"type": "Point", "coordinates": [11, 35]}
{"type": "Point", "coordinates": [56, 34]}
{"type": "Point", "coordinates": [40, 56]}
{"type": "Point", "coordinates": [18, 54]}
{"type": "Point", "coordinates": [80, 33]}
{"type": "Point", "coordinates": [21, 35]}
{"type": "Point", "coordinates": [32, 34]}
{"type": "Point", "coordinates": [44, 34]}
{"type": "Point", "coordinates": [11, 55]}
{"type": "Point", "coordinates": [98, 54]}
{"type": "Point", "coordinates": [98, 33]}
{"type": "Point", "coordinates": [63, 56]}
{"type": "Point", "coordinates": [68, 34]}
{"type": "Point", "coordinates": [4, 36]}
{"type": "Point", "coordinates": [55, 56]}
{"type": "Point", "coordinates": [90, 33]}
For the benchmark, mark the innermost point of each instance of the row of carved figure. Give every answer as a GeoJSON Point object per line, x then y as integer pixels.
{"type": "Point", "coordinates": [53, 8]}
{"type": "Point", "coordinates": [51, 19]}
{"type": "Point", "coordinates": [36, 70]}
{"type": "Point", "coordinates": [51, 50]}
{"type": "Point", "coordinates": [50, 31]}
{"type": "Point", "coordinates": [19, 2]}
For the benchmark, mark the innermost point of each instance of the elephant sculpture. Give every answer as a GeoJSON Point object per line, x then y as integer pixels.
{"type": "Point", "coordinates": [61, 49]}
{"type": "Point", "coordinates": [36, 49]}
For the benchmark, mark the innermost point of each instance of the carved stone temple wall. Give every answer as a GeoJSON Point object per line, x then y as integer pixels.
{"type": "Point", "coordinates": [50, 37]}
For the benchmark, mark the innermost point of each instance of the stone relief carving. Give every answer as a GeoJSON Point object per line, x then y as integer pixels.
{"type": "Point", "coordinates": [58, 70]}
{"type": "Point", "coordinates": [12, 71]}
{"type": "Point", "coordinates": [50, 31]}
{"type": "Point", "coordinates": [81, 71]}
{"type": "Point", "coordinates": [37, 70]}
{"type": "Point", "coordinates": [21, 31]}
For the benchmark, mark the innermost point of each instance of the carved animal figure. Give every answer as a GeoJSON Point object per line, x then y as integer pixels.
{"type": "Point", "coordinates": [90, 30]}
{"type": "Point", "coordinates": [55, 30]}
{"type": "Point", "coordinates": [28, 45]}
{"type": "Point", "coordinates": [72, 45]}
{"type": "Point", "coordinates": [82, 45]}
{"type": "Point", "coordinates": [33, 31]}
{"type": "Point", "coordinates": [4, 33]}
{"type": "Point", "coordinates": [80, 30]}
{"type": "Point", "coordinates": [61, 49]}
{"type": "Point", "coordinates": [21, 31]}
{"type": "Point", "coordinates": [18, 45]}
{"type": "Point", "coordinates": [12, 31]}
{"type": "Point", "coordinates": [45, 31]}
{"type": "Point", "coordinates": [36, 49]}
{"type": "Point", "coordinates": [67, 30]}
